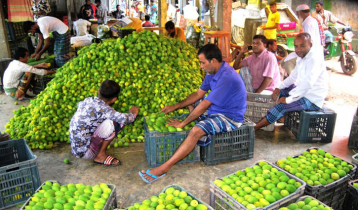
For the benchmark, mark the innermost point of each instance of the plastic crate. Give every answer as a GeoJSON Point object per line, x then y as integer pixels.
{"type": "Point", "coordinates": [355, 162]}
{"type": "Point", "coordinates": [19, 175]}
{"type": "Point", "coordinates": [331, 194]}
{"type": "Point", "coordinates": [125, 32]}
{"type": "Point", "coordinates": [4, 137]}
{"type": "Point", "coordinates": [15, 30]}
{"type": "Point", "coordinates": [312, 126]}
{"type": "Point", "coordinates": [234, 145]}
{"type": "Point", "coordinates": [111, 203]}
{"type": "Point", "coordinates": [351, 200]}
{"type": "Point", "coordinates": [159, 147]}
{"type": "Point", "coordinates": [220, 200]}
{"type": "Point", "coordinates": [177, 187]}
{"type": "Point", "coordinates": [307, 196]}
{"type": "Point", "coordinates": [353, 136]}
{"type": "Point", "coordinates": [4, 63]}
{"type": "Point", "coordinates": [40, 83]}
{"type": "Point", "coordinates": [257, 107]}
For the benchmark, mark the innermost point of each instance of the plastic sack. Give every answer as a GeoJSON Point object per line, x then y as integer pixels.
{"type": "Point", "coordinates": [190, 12]}
{"type": "Point", "coordinates": [80, 41]}
{"type": "Point", "coordinates": [103, 32]}
{"type": "Point", "coordinates": [192, 37]}
{"type": "Point", "coordinates": [202, 35]}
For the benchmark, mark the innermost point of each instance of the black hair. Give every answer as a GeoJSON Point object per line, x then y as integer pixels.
{"type": "Point", "coordinates": [211, 51]}
{"type": "Point", "coordinates": [20, 52]}
{"type": "Point", "coordinates": [27, 26]}
{"type": "Point", "coordinates": [319, 2]}
{"type": "Point", "coordinates": [270, 42]}
{"type": "Point", "coordinates": [169, 25]}
{"type": "Point", "coordinates": [147, 17]}
{"type": "Point", "coordinates": [97, 1]}
{"type": "Point", "coordinates": [109, 89]}
{"type": "Point", "coordinates": [262, 37]}
{"type": "Point", "coordinates": [272, 3]}
{"type": "Point", "coordinates": [151, 1]}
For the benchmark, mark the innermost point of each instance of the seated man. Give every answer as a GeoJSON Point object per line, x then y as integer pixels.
{"type": "Point", "coordinates": [226, 106]}
{"type": "Point", "coordinates": [81, 27]}
{"type": "Point", "coordinates": [262, 65]}
{"type": "Point", "coordinates": [95, 124]}
{"type": "Point", "coordinates": [18, 75]}
{"type": "Point", "coordinates": [272, 47]}
{"type": "Point", "coordinates": [174, 32]}
{"type": "Point", "coordinates": [305, 88]}
{"type": "Point", "coordinates": [147, 23]}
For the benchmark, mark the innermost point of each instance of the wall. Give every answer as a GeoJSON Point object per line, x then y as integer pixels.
{"type": "Point", "coordinates": [346, 11]}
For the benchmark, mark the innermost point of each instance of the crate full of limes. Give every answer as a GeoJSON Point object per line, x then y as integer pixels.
{"type": "Point", "coordinates": [262, 186]}
{"type": "Point", "coordinates": [161, 140]}
{"type": "Point", "coordinates": [325, 174]}
{"type": "Point", "coordinates": [53, 195]}
{"type": "Point", "coordinates": [351, 199]}
{"type": "Point", "coordinates": [172, 197]}
{"type": "Point", "coordinates": [307, 202]}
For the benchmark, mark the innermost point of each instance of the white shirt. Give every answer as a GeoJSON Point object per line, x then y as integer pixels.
{"type": "Point", "coordinates": [171, 12]}
{"type": "Point", "coordinates": [14, 72]}
{"type": "Point", "coordinates": [310, 78]}
{"type": "Point", "coordinates": [80, 26]}
{"type": "Point", "coordinates": [310, 25]}
{"type": "Point", "coordinates": [48, 24]}
{"type": "Point", "coordinates": [102, 12]}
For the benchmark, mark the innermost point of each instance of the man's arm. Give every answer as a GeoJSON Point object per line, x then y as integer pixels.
{"type": "Point", "coordinates": [199, 110]}
{"type": "Point", "coordinates": [237, 63]}
{"type": "Point", "coordinates": [264, 84]}
{"type": "Point", "coordinates": [191, 99]}
{"type": "Point", "coordinates": [39, 45]}
{"type": "Point", "coordinates": [276, 26]}
{"type": "Point", "coordinates": [46, 45]}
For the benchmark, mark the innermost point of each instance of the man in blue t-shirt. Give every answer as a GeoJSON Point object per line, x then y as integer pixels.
{"type": "Point", "coordinates": [226, 106]}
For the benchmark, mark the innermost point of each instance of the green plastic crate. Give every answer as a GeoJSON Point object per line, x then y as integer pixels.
{"type": "Point", "coordinates": [351, 199]}
{"type": "Point", "coordinates": [111, 203]}
{"type": "Point", "coordinates": [230, 146]}
{"type": "Point", "coordinates": [312, 126]}
{"type": "Point", "coordinates": [331, 194]}
{"type": "Point", "coordinates": [159, 147]}
{"type": "Point", "coordinates": [19, 175]}
{"type": "Point", "coordinates": [221, 200]}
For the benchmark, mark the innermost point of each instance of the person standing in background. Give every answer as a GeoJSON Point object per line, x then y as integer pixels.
{"type": "Point", "coordinates": [40, 8]}
{"type": "Point", "coordinates": [124, 6]}
{"type": "Point", "coordinates": [153, 12]}
{"type": "Point", "coordinates": [101, 13]}
{"type": "Point", "coordinates": [141, 10]}
{"type": "Point", "coordinates": [87, 11]}
{"type": "Point", "coordinates": [273, 21]}
{"type": "Point", "coordinates": [205, 8]}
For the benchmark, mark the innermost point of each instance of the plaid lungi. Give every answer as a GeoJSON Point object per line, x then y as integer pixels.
{"type": "Point", "coordinates": [62, 48]}
{"type": "Point", "coordinates": [280, 110]}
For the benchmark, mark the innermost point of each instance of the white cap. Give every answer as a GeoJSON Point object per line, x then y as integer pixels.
{"type": "Point", "coordinates": [302, 7]}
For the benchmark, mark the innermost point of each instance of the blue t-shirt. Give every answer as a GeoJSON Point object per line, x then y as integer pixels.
{"type": "Point", "coordinates": [228, 93]}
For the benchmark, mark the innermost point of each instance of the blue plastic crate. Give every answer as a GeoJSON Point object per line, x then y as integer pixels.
{"type": "Point", "coordinates": [19, 175]}
{"type": "Point", "coordinates": [312, 126]}
{"type": "Point", "coordinates": [230, 146]}
{"type": "Point", "coordinates": [159, 147]}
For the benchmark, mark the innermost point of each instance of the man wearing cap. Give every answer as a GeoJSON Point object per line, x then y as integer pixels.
{"type": "Point", "coordinates": [310, 25]}
{"type": "Point", "coordinates": [305, 88]}
{"type": "Point", "coordinates": [325, 16]}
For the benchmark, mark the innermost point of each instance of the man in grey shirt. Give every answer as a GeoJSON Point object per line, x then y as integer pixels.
{"type": "Point", "coordinates": [101, 13]}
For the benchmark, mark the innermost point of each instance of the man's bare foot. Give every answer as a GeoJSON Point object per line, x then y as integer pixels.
{"type": "Point", "coordinates": [154, 171]}
{"type": "Point", "coordinates": [102, 158]}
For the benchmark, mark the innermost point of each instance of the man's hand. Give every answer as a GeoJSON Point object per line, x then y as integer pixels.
{"type": "Point", "coordinates": [276, 94]}
{"type": "Point", "coordinates": [245, 48]}
{"type": "Point", "coordinates": [263, 27]}
{"type": "Point", "coordinates": [282, 100]}
{"type": "Point", "coordinates": [50, 72]}
{"type": "Point", "coordinates": [33, 55]}
{"type": "Point", "coordinates": [134, 110]}
{"type": "Point", "coordinates": [175, 123]}
{"type": "Point", "coordinates": [37, 57]}
{"type": "Point", "coordinates": [167, 109]}
{"type": "Point", "coordinates": [41, 65]}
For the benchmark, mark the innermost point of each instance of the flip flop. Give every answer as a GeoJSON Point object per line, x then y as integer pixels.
{"type": "Point", "coordinates": [155, 178]}
{"type": "Point", "coordinates": [24, 99]}
{"type": "Point", "coordinates": [108, 161]}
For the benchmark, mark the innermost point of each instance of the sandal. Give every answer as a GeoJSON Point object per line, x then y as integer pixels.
{"type": "Point", "coordinates": [155, 178]}
{"type": "Point", "coordinates": [108, 161]}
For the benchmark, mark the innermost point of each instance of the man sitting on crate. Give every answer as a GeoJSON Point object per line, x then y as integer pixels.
{"type": "Point", "coordinates": [226, 106]}
{"type": "Point", "coordinates": [262, 74]}
{"type": "Point", "coordinates": [305, 88]}
{"type": "Point", "coordinates": [18, 75]}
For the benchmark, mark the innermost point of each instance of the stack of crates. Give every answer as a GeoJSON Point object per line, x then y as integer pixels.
{"type": "Point", "coordinates": [355, 162]}
{"type": "Point", "coordinates": [353, 137]}
{"type": "Point", "coordinates": [312, 126]}
{"type": "Point", "coordinates": [19, 175]}
{"type": "Point", "coordinates": [331, 194]}
{"type": "Point", "coordinates": [230, 146]}
{"type": "Point", "coordinates": [351, 200]}
{"type": "Point", "coordinates": [257, 107]}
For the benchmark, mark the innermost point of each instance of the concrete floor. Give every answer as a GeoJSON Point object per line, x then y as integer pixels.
{"type": "Point", "coordinates": [194, 177]}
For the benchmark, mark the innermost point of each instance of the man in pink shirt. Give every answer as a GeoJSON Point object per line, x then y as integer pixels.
{"type": "Point", "coordinates": [262, 66]}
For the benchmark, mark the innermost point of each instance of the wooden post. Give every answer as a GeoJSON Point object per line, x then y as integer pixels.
{"type": "Point", "coordinates": [74, 7]}
{"type": "Point", "coordinates": [68, 2]}
{"type": "Point", "coordinates": [162, 10]}
{"type": "Point", "coordinates": [4, 43]}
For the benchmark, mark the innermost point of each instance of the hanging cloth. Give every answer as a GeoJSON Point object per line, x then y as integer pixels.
{"type": "Point", "coordinates": [19, 10]}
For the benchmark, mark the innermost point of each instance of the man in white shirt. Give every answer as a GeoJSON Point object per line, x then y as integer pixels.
{"type": "Point", "coordinates": [309, 25]}
{"type": "Point", "coordinates": [171, 12]}
{"type": "Point", "coordinates": [81, 27]}
{"type": "Point", "coordinates": [60, 32]}
{"type": "Point", "coordinates": [305, 88]}
{"type": "Point", "coordinates": [101, 13]}
{"type": "Point", "coordinates": [18, 75]}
